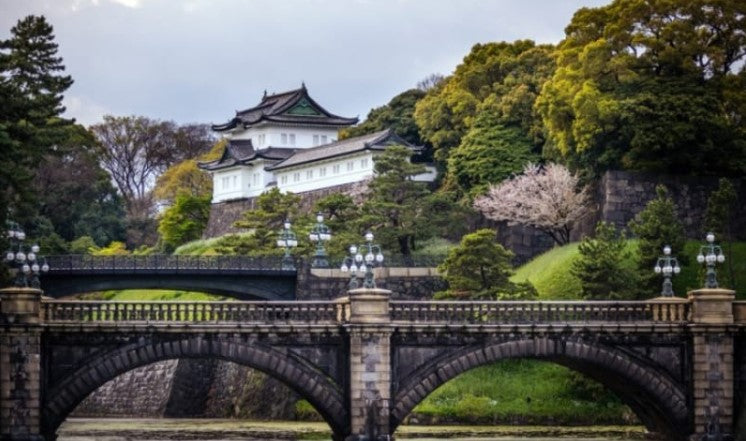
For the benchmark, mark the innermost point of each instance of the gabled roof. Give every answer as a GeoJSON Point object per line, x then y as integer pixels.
{"type": "Point", "coordinates": [240, 152]}
{"type": "Point", "coordinates": [292, 107]}
{"type": "Point", "coordinates": [372, 141]}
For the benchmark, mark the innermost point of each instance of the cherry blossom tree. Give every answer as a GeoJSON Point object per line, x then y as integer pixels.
{"type": "Point", "coordinates": [547, 197]}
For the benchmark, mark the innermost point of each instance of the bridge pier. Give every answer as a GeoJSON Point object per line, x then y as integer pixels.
{"type": "Point", "coordinates": [20, 365]}
{"type": "Point", "coordinates": [370, 365]}
{"type": "Point", "coordinates": [712, 363]}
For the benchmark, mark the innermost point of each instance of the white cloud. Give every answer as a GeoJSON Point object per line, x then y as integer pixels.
{"type": "Point", "coordinates": [84, 111]}
{"type": "Point", "coordinates": [128, 3]}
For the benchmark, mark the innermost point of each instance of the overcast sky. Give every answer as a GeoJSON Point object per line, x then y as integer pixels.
{"type": "Point", "coordinates": [200, 60]}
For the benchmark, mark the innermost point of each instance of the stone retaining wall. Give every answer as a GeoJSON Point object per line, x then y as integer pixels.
{"type": "Point", "coordinates": [404, 283]}
{"type": "Point", "coordinates": [224, 214]}
{"type": "Point", "coordinates": [139, 392]}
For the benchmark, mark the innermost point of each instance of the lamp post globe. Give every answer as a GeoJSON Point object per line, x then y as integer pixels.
{"type": "Point", "coordinates": [23, 259]}
{"type": "Point", "coordinates": [287, 241]}
{"type": "Point", "coordinates": [668, 266]}
{"type": "Point", "coordinates": [319, 234]}
{"type": "Point", "coordinates": [710, 254]}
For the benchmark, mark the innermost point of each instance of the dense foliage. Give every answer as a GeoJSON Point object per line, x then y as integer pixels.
{"type": "Point", "coordinates": [504, 77]}
{"type": "Point", "coordinates": [601, 266]}
{"type": "Point", "coordinates": [656, 226]}
{"type": "Point", "coordinates": [720, 220]}
{"type": "Point", "coordinates": [480, 268]}
{"type": "Point", "coordinates": [397, 115]}
{"type": "Point", "coordinates": [31, 92]}
{"type": "Point", "coordinates": [184, 221]}
{"type": "Point", "coordinates": [640, 81]}
{"type": "Point", "coordinates": [394, 202]}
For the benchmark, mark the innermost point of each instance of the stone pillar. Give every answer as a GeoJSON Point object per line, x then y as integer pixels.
{"type": "Point", "coordinates": [712, 372]}
{"type": "Point", "coordinates": [369, 332]}
{"type": "Point", "coordinates": [20, 364]}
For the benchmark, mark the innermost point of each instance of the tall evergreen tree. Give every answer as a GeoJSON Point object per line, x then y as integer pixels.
{"type": "Point", "coordinates": [657, 226]}
{"type": "Point", "coordinates": [395, 200]}
{"type": "Point", "coordinates": [31, 88]}
{"type": "Point", "coordinates": [601, 268]}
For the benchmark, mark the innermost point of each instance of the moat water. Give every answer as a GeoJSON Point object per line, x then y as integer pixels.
{"type": "Point", "coordinates": [122, 429]}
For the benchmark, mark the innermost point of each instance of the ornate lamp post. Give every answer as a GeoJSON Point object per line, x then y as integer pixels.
{"type": "Point", "coordinates": [287, 240]}
{"type": "Point", "coordinates": [710, 254]}
{"type": "Point", "coordinates": [320, 234]}
{"type": "Point", "coordinates": [669, 266]}
{"type": "Point", "coordinates": [363, 262]}
{"type": "Point", "coordinates": [26, 263]}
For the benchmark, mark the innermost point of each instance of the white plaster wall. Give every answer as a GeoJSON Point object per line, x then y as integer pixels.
{"type": "Point", "coordinates": [362, 168]}
{"type": "Point", "coordinates": [230, 183]}
{"type": "Point", "coordinates": [304, 136]}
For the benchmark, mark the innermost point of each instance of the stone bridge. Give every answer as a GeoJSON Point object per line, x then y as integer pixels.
{"type": "Point", "coordinates": [239, 277]}
{"type": "Point", "coordinates": [365, 361]}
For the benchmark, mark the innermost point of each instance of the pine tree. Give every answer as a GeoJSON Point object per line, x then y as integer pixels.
{"type": "Point", "coordinates": [601, 267]}
{"type": "Point", "coordinates": [31, 88]}
{"type": "Point", "coordinates": [395, 200]}
{"type": "Point", "coordinates": [480, 268]}
{"type": "Point", "coordinates": [656, 226]}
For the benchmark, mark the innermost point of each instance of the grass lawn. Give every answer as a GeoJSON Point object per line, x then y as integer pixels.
{"type": "Point", "coordinates": [550, 272]}
{"type": "Point", "coordinates": [521, 392]}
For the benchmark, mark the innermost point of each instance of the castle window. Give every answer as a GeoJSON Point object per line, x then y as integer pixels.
{"type": "Point", "coordinates": [350, 165]}
{"type": "Point", "coordinates": [256, 178]}
{"type": "Point", "coordinates": [292, 139]}
{"type": "Point", "coordinates": [284, 179]}
{"type": "Point", "coordinates": [364, 163]}
{"type": "Point", "coordinates": [284, 139]}
{"type": "Point", "coordinates": [309, 174]}
{"type": "Point", "coordinates": [235, 184]}
{"type": "Point", "coordinates": [323, 139]}
{"type": "Point", "coordinates": [296, 177]}
{"type": "Point", "coordinates": [322, 171]}
{"type": "Point", "coordinates": [315, 139]}
{"type": "Point", "coordinates": [335, 169]}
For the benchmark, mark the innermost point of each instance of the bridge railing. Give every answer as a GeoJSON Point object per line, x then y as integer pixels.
{"type": "Point", "coordinates": [155, 262]}
{"type": "Point", "coordinates": [295, 312]}
{"type": "Point", "coordinates": [528, 312]}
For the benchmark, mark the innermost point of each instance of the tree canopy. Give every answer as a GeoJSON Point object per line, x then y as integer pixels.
{"type": "Point", "coordinates": [398, 115]}
{"type": "Point", "coordinates": [503, 77]}
{"type": "Point", "coordinates": [31, 91]}
{"type": "Point", "coordinates": [480, 268]}
{"type": "Point", "coordinates": [653, 85]}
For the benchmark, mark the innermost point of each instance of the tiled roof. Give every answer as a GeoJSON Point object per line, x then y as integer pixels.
{"type": "Point", "coordinates": [242, 151]}
{"type": "Point", "coordinates": [373, 141]}
{"type": "Point", "coordinates": [275, 107]}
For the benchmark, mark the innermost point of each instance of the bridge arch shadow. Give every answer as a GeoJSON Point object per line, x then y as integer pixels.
{"type": "Point", "coordinates": [658, 400]}
{"type": "Point", "coordinates": [300, 375]}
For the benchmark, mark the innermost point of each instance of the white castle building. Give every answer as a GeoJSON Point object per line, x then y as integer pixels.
{"type": "Point", "coordinates": [290, 142]}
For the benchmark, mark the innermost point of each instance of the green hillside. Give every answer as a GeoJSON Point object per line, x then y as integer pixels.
{"type": "Point", "coordinates": [550, 272]}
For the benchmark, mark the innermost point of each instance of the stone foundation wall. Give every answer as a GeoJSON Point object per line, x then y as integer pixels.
{"type": "Point", "coordinates": [224, 214]}
{"type": "Point", "coordinates": [144, 391]}
{"type": "Point", "coordinates": [191, 388]}
{"type": "Point", "coordinates": [404, 283]}
{"type": "Point", "coordinates": [621, 195]}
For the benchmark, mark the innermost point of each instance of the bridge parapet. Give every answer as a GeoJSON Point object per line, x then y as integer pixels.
{"type": "Point", "coordinates": [523, 312]}
{"type": "Point", "coordinates": [158, 262]}
{"type": "Point", "coordinates": [307, 312]}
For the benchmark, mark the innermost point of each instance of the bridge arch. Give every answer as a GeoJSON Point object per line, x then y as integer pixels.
{"type": "Point", "coordinates": [655, 398]}
{"type": "Point", "coordinates": [300, 375]}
